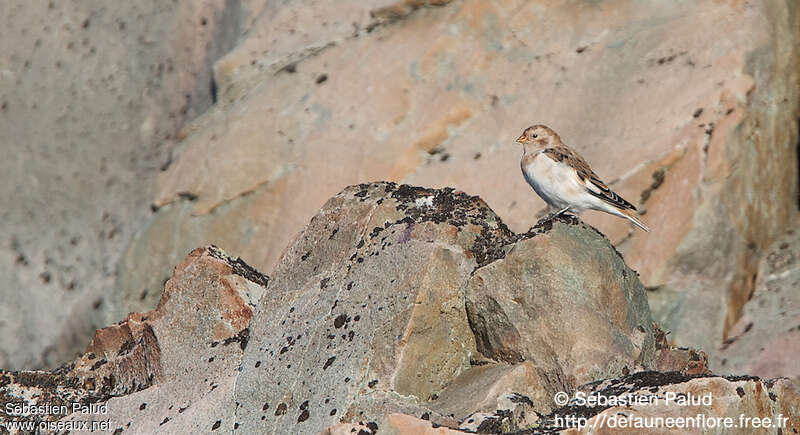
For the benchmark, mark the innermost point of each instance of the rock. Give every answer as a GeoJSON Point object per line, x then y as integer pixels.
{"type": "Point", "coordinates": [389, 313]}
{"type": "Point", "coordinates": [367, 305]}
{"type": "Point", "coordinates": [91, 98]}
{"type": "Point", "coordinates": [374, 307]}
{"type": "Point", "coordinates": [709, 403]}
{"type": "Point", "coordinates": [594, 304]}
{"type": "Point", "coordinates": [190, 347]}
{"type": "Point", "coordinates": [766, 340]}
{"type": "Point", "coordinates": [685, 360]}
{"type": "Point", "coordinates": [322, 106]}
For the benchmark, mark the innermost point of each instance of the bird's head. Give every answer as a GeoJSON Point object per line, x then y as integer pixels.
{"type": "Point", "coordinates": [538, 137]}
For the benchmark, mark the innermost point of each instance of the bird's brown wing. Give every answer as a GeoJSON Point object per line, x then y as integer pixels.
{"type": "Point", "coordinates": [585, 174]}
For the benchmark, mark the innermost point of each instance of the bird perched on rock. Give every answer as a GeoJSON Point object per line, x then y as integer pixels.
{"type": "Point", "coordinates": [563, 178]}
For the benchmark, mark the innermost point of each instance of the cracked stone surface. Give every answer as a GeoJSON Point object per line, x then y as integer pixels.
{"type": "Point", "coordinates": [700, 136]}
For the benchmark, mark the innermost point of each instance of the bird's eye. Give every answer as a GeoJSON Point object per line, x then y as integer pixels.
{"type": "Point", "coordinates": [535, 135]}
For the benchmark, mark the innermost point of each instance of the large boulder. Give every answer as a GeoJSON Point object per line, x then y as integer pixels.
{"type": "Point", "coordinates": [693, 123]}
{"type": "Point", "coordinates": [388, 302]}
{"type": "Point", "coordinates": [389, 297]}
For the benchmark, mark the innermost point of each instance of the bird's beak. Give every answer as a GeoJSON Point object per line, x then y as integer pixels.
{"type": "Point", "coordinates": [522, 139]}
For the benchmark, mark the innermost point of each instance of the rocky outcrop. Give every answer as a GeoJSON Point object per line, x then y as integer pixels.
{"type": "Point", "coordinates": [645, 402]}
{"type": "Point", "coordinates": [384, 303]}
{"type": "Point", "coordinates": [190, 347]}
{"type": "Point", "coordinates": [398, 309]}
{"type": "Point", "coordinates": [701, 133]}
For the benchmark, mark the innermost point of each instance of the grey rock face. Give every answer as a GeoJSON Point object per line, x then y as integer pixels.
{"type": "Point", "coordinates": [91, 98]}
{"type": "Point", "coordinates": [565, 299]}
{"type": "Point", "coordinates": [376, 307]}
{"type": "Point", "coordinates": [394, 299]}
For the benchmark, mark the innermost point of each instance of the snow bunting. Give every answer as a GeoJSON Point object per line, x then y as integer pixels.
{"type": "Point", "coordinates": [564, 180]}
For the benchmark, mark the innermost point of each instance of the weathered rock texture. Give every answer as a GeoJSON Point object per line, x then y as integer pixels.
{"type": "Point", "coordinates": [730, 397]}
{"type": "Point", "coordinates": [766, 340]}
{"type": "Point", "coordinates": [398, 309]}
{"type": "Point", "coordinates": [190, 347]}
{"type": "Point", "coordinates": [377, 305]}
{"type": "Point", "coordinates": [91, 96]}
{"type": "Point", "coordinates": [694, 123]}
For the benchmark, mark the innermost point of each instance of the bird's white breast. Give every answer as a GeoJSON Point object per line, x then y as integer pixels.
{"type": "Point", "coordinates": [557, 183]}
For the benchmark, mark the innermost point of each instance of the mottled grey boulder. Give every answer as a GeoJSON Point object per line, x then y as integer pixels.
{"type": "Point", "coordinates": [377, 305]}
{"type": "Point", "coordinates": [565, 299]}
{"type": "Point", "coordinates": [394, 299]}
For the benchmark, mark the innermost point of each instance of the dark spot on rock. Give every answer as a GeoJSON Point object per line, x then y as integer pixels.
{"type": "Point", "coordinates": [242, 338]}
{"type": "Point", "coordinates": [426, 416]}
{"type": "Point", "coordinates": [339, 321]}
{"type": "Point", "coordinates": [321, 79]}
{"type": "Point", "coordinates": [142, 407]}
{"type": "Point", "coordinates": [216, 425]}
{"type": "Point", "coordinates": [372, 383]}
{"type": "Point", "coordinates": [189, 196]}
{"type": "Point", "coordinates": [740, 391]}
{"type": "Point", "coordinates": [519, 398]}
{"type": "Point", "coordinates": [86, 23]}
{"type": "Point", "coordinates": [333, 412]}
{"type": "Point", "coordinates": [697, 113]}
{"type": "Point", "coordinates": [305, 256]}
{"type": "Point", "coordinates": [328, 362]}
{"type": "Point", "coordinates": [303, 416]}
{"type": "Point", "coordinates": [181, 409]}
{"type": "Point", "coordinates": [163, 422]}
{"type": "Point", "coordinates": [258, 364]}
{"type": "Point", "coordinates": [346, 380]}
{"type": "Point", "coordinates": [580, 49]}
{"type": "Point", "coordinates": [281, 409]}
{"type": "Point", "coordinates": [203, 21]}
{"type": "Point", "coordinates": [265, 407]}
{"type": "Point", "coordinates": [240, 267]}
{"type": "Point", "coordinates": [373, 427]}
{"type": "Point", "coordinates": [290, 68]}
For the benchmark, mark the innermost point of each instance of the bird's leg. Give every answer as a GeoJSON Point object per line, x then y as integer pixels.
{"type": "Point", "coordinates": [560, 212]}
{"type": "Point", "coordinates": [551, 216]}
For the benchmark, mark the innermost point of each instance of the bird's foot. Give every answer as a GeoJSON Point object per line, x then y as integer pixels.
{"type": "Point", "coordinates": [565, 214]}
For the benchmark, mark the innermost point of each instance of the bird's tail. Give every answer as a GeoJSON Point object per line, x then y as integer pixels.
{"type": "Point", "coordinates": [631, 216]}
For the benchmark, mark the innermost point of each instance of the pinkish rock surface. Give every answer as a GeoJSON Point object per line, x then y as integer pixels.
{"type": "Point", "coordinates": [693, 123]}
{"type": "Point", "coordinates": [766, 340]}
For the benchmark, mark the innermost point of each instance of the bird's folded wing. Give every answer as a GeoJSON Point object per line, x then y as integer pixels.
{"type": "Point", "coordinates": [593, 184]}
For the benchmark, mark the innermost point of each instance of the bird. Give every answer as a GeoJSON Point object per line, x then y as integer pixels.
{"type": "Point", "coordinates": [563, 179]}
